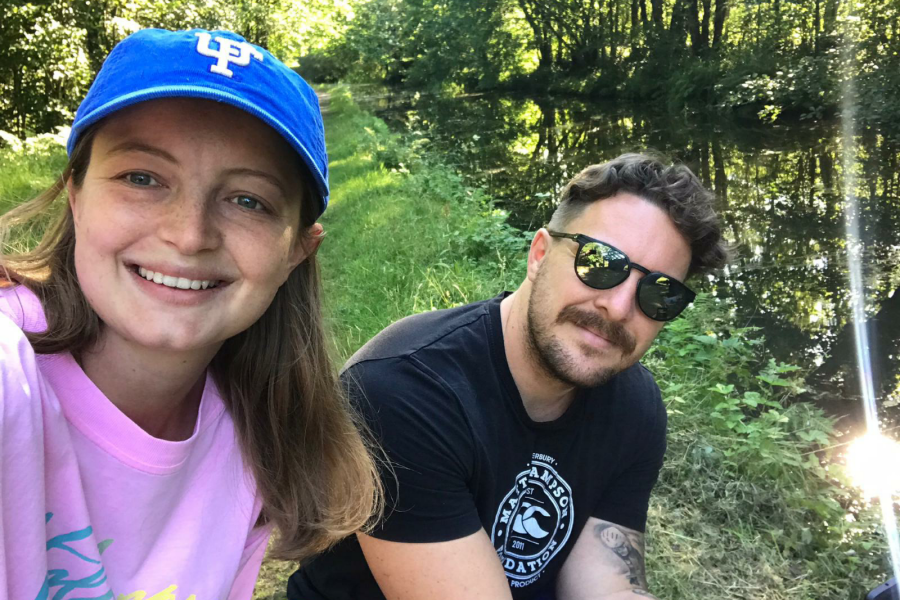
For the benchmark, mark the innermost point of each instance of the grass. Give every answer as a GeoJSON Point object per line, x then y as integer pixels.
{"type": "Point", "coordinates": [750, 503]}
{"type": "Point", "coordinates": [29, 167]}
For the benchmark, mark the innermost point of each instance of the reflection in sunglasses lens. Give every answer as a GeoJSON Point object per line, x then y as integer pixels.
{"type": "Point", "coordinates": [661, 299]}
{"type": "Point", "coordinates": [603, 267]}
{"type": "Point", "coordinates": [600, 266]}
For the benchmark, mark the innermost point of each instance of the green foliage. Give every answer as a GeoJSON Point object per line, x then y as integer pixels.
{"type": "Point", "coordinates": [452, 42]}
{"type": "Point", "coordinates": [808, 87]}
{"type": "Point", "coordinates": [750, 473]}
{"type": "Point", "coordinates": [44, 65]}
{"type": "Point", "coordinates": [695, 84]}
{"type": "Point", "coordinates": [53, 49]}
{"type": "Point", "coordinates": [770, 59]}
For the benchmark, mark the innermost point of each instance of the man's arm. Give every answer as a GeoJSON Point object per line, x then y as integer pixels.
{"type": "Point", "coordinates": [430, 544]}
{"type": "Point", "coordinates": [607, 562]}
{"type": "Point", "coordinates": [463, 568]}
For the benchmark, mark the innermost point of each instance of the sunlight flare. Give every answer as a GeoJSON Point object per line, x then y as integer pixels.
{"type": "Point", "coordinates": [873, 462]}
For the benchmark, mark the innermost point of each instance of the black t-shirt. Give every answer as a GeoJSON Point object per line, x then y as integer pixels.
{"type": "Point", "coordinates": [438, 393]}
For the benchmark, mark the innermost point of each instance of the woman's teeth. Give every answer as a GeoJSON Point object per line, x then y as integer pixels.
{"type": "Point", "coordinates": [176, 282]}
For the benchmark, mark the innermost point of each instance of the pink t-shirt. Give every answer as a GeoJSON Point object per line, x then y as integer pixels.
{"type": "Point", "coordinates": [93, 507]}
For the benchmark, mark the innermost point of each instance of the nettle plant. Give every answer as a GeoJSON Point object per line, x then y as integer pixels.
{"type": "Point", "coordinates": [735, 415]}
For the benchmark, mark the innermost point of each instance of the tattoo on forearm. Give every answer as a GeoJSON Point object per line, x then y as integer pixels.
{"type": "Point", "coordinates": [626, 548]}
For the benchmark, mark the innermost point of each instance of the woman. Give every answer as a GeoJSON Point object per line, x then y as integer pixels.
{"type": "Point", "coordinates": [166, 396]}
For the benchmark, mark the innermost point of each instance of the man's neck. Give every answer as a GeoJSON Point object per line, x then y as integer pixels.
{"type": "Point", "coordinates": [159, 390]}
{"type": "Point", "coordinates": [544, 397]}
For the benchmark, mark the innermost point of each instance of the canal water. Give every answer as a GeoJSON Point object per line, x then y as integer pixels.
{"type": "Point", "coordinates": [779, 190]}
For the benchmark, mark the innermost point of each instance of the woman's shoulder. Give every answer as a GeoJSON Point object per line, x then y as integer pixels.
{"type": "Point", "coordinates": [22, 307]}
{"type": "Point", "coordinates": [21, 382]}
{"type": "Point", "coordinates": [22, 386]}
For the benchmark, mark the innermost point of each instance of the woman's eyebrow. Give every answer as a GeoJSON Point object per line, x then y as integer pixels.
{"type": "Point", "coordinates": [132, 146]}
{"type": "Point", "coordinates": [261, 174]}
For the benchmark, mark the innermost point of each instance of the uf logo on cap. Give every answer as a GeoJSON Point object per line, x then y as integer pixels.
{"type": "Point", "coordinates": [229, 51]}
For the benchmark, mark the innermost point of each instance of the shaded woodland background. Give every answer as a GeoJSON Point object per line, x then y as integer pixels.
{"type": "Point", "coordinates": [769, 60]}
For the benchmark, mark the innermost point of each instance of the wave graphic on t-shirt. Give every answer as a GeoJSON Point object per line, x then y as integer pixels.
{"type": "Point", "coordinates": [527, 523]}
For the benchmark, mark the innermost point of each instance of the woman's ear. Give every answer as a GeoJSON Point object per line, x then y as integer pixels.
{"type": "Point", "coordinates": [307, 244]}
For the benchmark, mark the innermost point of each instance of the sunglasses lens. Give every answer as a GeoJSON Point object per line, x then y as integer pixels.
{"type": "Point", "coordinates": [663, 298]}
{"type": "Point", "coordinates": [601, 266]}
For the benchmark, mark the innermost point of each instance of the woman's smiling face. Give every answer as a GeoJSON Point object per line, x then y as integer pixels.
{"type": "Point", "coordinates": [187, 222]}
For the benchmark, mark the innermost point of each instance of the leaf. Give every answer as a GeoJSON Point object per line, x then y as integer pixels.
{"type": "Point", "coordinates": [722, 389]}
{"type": "Point", "coordinates": [778, 381]}
{"type": "Point", "coordinates": [805, 536]}
{"type": "Point", "coordinates": [707, 339]}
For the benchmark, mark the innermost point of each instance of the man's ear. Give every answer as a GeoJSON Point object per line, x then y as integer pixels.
{"type": "Point", "coordinates": [540, 246]}
{"type": "Point", "coordinates": [307, 244]}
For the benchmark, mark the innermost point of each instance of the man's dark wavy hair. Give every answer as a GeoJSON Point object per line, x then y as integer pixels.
{"type": "Point", "coordinates": [673, 187]}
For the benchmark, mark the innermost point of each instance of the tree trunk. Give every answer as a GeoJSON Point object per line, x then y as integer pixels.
{"type": "Point", "coordinates": [613, 29]}
{"type": "Point", "coordinates": [92, 18]}
{"type": "Point", "coordinates": [831, 11]}
{"type": "Point", "coordinates": [633, 31]}
{"type": "Point", "coordinates": [722, 9]}
{"type": "Point", "coordinates": [816, 25]}
{"type": "Point", "coordinates": [657, 16]}
{"type": "Point", "coordinates": [704, 29]}
{"type": "Point", "coordinates": [693, 25]}
{"type": "Point", "coordinates": [541, 30]}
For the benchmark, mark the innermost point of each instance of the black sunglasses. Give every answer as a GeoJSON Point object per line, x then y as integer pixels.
{"type": "Point", "coordinates": [601, 266]}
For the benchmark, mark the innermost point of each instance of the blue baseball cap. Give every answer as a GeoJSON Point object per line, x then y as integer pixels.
{"type": "Point", "coordinates": [214, 65]}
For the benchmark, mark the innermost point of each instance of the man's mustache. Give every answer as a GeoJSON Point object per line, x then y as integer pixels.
{"type": "Point", "coordinates": [614, 332]}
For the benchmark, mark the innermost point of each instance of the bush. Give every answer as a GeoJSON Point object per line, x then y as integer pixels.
{"type": "Point", "coordinates": [750, 495]}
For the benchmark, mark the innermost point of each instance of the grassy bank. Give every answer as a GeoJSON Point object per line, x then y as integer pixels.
{"type": "Point", "coordinates": [744, 508]}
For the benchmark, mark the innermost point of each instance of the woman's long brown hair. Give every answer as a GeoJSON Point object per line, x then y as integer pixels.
{"type": "Point", "coordinates": [298, 433]}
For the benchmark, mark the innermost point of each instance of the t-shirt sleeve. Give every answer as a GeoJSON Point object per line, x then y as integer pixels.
{"type": "Point", "coordinates": [428, 444]}
{"type": "Point", "coordinates": [23, 307]}
{"type": "Point", "coordinates": [626, 498]}
{"type": "Point", "coordinates": [251, 560]}
{"type": "Point", "coordinates": [22, 534]}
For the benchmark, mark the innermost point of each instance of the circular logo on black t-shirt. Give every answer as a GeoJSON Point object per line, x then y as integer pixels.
{"type": "Point", "coordinates": [533, 522]}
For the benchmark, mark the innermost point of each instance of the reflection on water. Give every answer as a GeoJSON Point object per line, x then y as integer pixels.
{"type": "Point", "coordinates": [779, 190]}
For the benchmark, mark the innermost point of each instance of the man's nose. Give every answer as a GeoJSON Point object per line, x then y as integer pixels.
{"type": "Point", "coordinates": [619, 303]}
{"type": "Point", "coordinates": [189, 223]}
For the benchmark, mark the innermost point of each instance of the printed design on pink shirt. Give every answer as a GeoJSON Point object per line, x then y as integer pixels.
{"type": "Point", "coordinates": [84, 572]}
{"type": "Point", "coordinates": [90, 573]}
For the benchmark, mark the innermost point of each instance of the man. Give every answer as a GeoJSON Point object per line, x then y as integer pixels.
{"type": "Point", "coordinates": [523, 427]}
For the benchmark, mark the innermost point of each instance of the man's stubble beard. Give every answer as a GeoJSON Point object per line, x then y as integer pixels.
{"type": "Point", "coordinates": [548, 353]}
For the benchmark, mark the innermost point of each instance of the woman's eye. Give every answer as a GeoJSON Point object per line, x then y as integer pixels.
{"type": "Point", "coordinates": [141, 179]}
{"type": "Point", "coordinates": [248, 202]}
